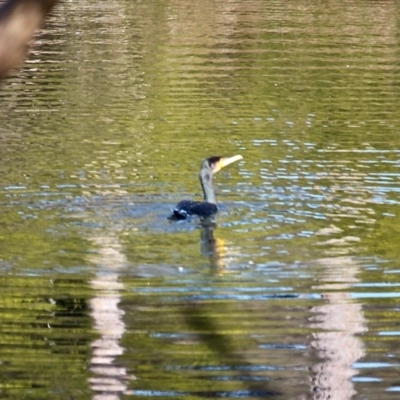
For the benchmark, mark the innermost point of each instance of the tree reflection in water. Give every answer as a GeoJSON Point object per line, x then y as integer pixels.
{"type": "Point", "coordinates": [109, 380]}
{"type": "Point", "coordinates": [337, 323]}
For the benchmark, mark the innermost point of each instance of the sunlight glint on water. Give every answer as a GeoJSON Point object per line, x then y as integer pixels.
{"type": "Point", "coordinates": [292, 292]}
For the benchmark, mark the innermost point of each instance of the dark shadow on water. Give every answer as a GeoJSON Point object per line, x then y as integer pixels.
{"type": "Point", "coordinates": [228, 353]}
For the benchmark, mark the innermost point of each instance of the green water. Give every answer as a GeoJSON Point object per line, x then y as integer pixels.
{"type": "Point", "coordinates": [292, 292]}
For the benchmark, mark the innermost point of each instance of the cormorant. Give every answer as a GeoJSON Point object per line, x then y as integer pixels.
{"type": "Point", "coordinates": [208, 207]}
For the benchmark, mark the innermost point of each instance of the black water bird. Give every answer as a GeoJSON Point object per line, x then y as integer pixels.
{"type": "Point", "coordinates": [208, 207]}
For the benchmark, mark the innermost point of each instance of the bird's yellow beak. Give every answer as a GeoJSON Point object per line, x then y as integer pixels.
{"type": "Point", "coordinates": [224, 161]}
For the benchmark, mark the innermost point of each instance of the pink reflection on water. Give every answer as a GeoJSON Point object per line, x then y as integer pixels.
{"type": "Point", "coordinates": [109, 380]}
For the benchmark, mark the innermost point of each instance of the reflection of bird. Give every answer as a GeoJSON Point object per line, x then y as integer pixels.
{"type": "Point", "coordinates": [208, 207]}
{"type": "Point", "coordinates": [211, 247]}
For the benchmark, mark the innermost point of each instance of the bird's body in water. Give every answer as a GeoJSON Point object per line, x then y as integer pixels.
{"type": "Point", "coordinates": [208, 207]}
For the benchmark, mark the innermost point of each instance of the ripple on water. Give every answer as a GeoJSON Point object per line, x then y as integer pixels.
{"type": "Point", "coordinates": [103, 130]}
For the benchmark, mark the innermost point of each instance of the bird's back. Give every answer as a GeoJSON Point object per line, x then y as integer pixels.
{"type": "Point", "coordinates": [188, 208]}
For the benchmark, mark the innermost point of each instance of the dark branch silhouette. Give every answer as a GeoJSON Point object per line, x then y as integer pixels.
{"type": "Point", "coordinates": [19, 19]}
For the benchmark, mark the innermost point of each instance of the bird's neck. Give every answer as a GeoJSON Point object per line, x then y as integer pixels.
{"type": "Point", "coordinates": [208, 188]}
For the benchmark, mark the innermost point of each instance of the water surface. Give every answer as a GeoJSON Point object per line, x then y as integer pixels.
{"type": "Point", "coordinates": [292, 292]}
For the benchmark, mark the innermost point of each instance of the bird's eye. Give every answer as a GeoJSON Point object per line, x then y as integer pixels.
{"type": "Point", "coordinates": [213, 161]}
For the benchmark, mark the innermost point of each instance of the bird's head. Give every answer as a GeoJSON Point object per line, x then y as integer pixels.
{"type": "Point", "coordinates": [215, 164]}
